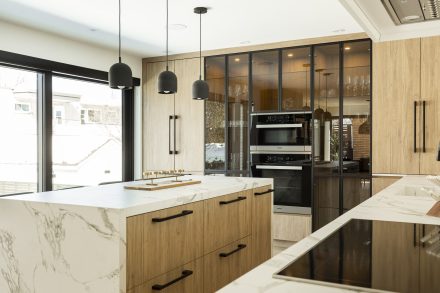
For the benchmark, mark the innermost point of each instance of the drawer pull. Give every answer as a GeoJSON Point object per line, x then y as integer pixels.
{"type": "Point", "coordinates": [185, 273]}
{"type": "Point", "coordinates": [183, 213]}
{"type": "Point", "coordinates": [233, 200]}
{"type": "Point", "coordinates": [239, 247]}
{"type": "Point", "coordinates": [264, 192]}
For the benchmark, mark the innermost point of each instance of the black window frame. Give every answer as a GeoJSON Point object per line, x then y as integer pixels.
{"type": "Point", "coordinates": [46, 70]}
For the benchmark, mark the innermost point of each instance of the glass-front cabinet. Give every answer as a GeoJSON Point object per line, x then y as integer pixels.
{"type": "Point", "coordinates": [341, 138]}
{"type": "Point", "coordinates": [265, 81]}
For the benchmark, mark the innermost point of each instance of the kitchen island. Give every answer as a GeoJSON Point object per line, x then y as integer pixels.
{"type": "Point", "coordinates": [86, 240]}
{"type": "Point", "coordinates": [391, 204]}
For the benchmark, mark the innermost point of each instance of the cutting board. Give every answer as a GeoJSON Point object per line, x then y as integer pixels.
{"type": "Point", "coordinates": [162, 185]}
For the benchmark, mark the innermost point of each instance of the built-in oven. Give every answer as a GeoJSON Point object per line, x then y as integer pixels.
{"type": "Point", "coordinates": [292, 174]}
{"type": "Point", "coordinates": [283, 131]}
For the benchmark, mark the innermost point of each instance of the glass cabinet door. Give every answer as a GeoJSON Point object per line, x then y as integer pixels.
{"type": "Point", "coordinates": [295, 79]}
{"type": "Point", "coordinates": [215, 114]}
{"type": "Point", "coordinates": [238, 113]}
{"type": "Point", "coordinates": [326, 178]}
{"type": "Point", "coordinates": [265, 68]}
{"type": "Point", "coordinates": [356, 108]}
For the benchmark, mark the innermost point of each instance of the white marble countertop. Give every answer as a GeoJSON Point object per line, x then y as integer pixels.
{"type": "Point", "coordinates": [391, 204]}
{"type": "Point", "coordinates": [133, 202]}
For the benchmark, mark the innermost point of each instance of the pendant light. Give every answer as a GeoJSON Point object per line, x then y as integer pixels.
{"type": "Point", "coordinates": [167, 81]}
{"type": "Point", "coordinates": [306, 107]}
{"type": "Point", "coordinates": [120, 75]}
{"type": "Point", "coordinates": [200, 88]}
{"type": "Point", "coordinates": [319, 113]}
{"type": "Point", "coordinates": [327, 115]}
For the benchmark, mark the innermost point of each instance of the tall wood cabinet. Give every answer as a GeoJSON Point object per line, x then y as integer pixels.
{"type": "Point", "coordinates": [173, 124]}
{"type": "Point", "coordinates": [406, 103]}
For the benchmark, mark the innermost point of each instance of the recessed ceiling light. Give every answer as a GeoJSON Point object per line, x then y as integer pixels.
{"type": "Point", "coordinates": [245, 42]}
{"type": "Point", "coordinates": [237, 59]}
{"type": "Point", "coordinates": [290, 55]}
{"type": "Point", "coordinates": [177, 26]}
{"type": "Point", "coordinates": [347, 48]}
{"type": "Point", "coordinates": [411, 17]}
{"type": "Point", "coordinates": [341, 30]}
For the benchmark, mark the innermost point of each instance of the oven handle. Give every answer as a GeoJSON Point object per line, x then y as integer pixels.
{"type": "Point", "coordinates": [269, 167]}
{"type": "Point", "coordinates": [296, 125]}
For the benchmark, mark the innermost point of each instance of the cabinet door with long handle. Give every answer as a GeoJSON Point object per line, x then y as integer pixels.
{"type": "Point", "coordinates": [157, 124]}
{"type": "Point", "coordinates": [430, 95]}
{"type": "Point", "coordinates": [396, 79]}
{"type": "Point", "coordinates": [189, 125]}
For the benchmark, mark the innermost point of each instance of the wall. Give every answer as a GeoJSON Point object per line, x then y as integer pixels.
{"type": "Point", "coordinates": [31, 42]}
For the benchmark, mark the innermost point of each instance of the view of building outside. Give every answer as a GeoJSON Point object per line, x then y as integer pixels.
{"type": "Point", "coordinates": [18, 131]}
{"type": "Point", "coordinates": [87, 132]}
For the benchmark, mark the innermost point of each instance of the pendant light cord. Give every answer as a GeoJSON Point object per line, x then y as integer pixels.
{"type": "Point", "coordinates": [167, 37]}
{"type": "Point", "coordinates": [200, 47]}
{"type": "Point", "coordinates": [119, 31]}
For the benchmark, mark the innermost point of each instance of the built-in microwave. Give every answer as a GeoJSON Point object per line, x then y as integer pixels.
{"type": "Point", "coordinates": [282, 131]}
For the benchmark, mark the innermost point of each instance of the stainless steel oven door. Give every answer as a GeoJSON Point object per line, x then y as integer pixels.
{"type": "Point", "coordinates": [292, 187]}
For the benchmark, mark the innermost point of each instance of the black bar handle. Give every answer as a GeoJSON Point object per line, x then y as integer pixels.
{"type": "Point", "coordinates": [423, 131]}
{"type": "Point", "coordinates": [182, 214]}
{"type": "Point", "coordinates": [175, 150]}
{"type": "Point", "coordinates": [264, 192]}
{"type": "Point", "coordinates": [414, 236]}
{"type": "Point", "coordinates": [169, 135]}
{"type": "Point", "coordinates": [415, 126]}
{"type": "Point", "coordinates": [226, 254]}
{"type": "Point", "coordinates": [233, 200]}
{"type": "Point", "coordinates": [185, 273]}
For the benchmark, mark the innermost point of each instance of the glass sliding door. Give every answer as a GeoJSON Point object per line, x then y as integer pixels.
{"type": "Point", "coordinates": [87, 133]}
{"type": "Point", "coordinates": [18, 129]}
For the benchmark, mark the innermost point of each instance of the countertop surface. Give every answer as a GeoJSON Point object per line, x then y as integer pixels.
{"type": "Point", "coordinates": [391, 204]}
{"type": "Point", "coordinates": [133, 202]}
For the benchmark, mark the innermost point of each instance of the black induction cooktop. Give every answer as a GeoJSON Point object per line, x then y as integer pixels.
{"type": "Point", "coordinates": [373, 255]}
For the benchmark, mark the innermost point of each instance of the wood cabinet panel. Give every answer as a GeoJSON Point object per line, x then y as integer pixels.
{"type": "Point", "coordinates": [226, 219]}
{"type": "Point", "coordinates": [395, 257]}
{"type": "Point", "coordinates": [261, 225]}
{"type": "Point", "coordinates": [173, 242]}
{"type": "Point", "coordinates": [134, 248]}
{"type": "Point", "coordinates": [221, 270]}
{"type": "Point", "coordinates": [396, 80]}
{"type": "Point", "coordinates": [291, 227]}
{"type": "Point", "coordinates": [190, 122]}
{"type": "Point", "coordinates": [380, 183]}
{"type": "Point", "coordinates": [430, 93]}
{"type": "Point", "coordinates": [157, 109]}
{"type": "Point", "coordinates": [429, 267]}
{"type": "Point", "coordinates": [192, 283]}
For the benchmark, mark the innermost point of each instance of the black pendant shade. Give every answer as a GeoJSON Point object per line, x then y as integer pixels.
{"type": "Point", "coordinates": [167, 80]}
{"type": "Point", "coordinates": [200, 88]}
{"type": "Point", "coordinates": [120, 75]}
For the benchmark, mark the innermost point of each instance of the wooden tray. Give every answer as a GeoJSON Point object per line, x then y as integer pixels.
{"type": "Point", "coordinates": [435, 210]}
{"type": "Point", "coordinates": [162, 185]}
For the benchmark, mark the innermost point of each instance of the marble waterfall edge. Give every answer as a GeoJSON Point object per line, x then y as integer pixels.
{"type": "Point", "coordinates": [60, 248]}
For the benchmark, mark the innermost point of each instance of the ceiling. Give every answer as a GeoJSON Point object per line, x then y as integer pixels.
{"type": "Point", "coordinates": [228, 23]}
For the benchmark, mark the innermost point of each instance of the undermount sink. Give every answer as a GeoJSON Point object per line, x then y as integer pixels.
{"type": "Point", "coordinates": [420, 190]}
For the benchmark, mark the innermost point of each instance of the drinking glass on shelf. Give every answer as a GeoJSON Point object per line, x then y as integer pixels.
{"type": "Point", "coordinates": [367, 85]}
{"type": "Point", "coordinates": [347, 86]}
{"type": "Point", "coordinates": [355, 85]}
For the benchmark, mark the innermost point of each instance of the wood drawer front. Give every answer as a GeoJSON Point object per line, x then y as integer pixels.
{"type": "Point", "coordinates": [188, 279]}
{"type": "Point", "coordinates": [262, 224]}
{"type": "Point", "coordinates": [222, 270]}
{"type": "Point", "coordinates": [227, 219]}
{"type": "Point", "coordinates": [174, 242]}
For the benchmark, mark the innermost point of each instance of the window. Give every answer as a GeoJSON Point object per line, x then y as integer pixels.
{"type": "Point", "coordinates": [87, 150]}
{"type": "Point", "coordinates": [18, 147]}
